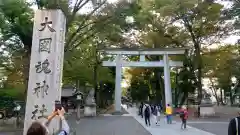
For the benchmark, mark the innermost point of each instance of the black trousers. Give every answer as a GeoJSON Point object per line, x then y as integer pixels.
{"type": "Point", "coordinates": [184, 123]}
{"type": "Point", "coordinates": [147, 120]}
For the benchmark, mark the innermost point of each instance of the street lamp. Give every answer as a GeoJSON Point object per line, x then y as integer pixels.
{"type": "Point", "coordinates": [79, 100]}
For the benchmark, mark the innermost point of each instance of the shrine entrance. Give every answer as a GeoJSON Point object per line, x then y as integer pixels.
{"type": "Point", "coordinates": [166, 63]}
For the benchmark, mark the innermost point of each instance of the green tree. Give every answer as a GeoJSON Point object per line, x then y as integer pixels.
{"type": "Point", "coordinates": [234, 13]}
{"type": "Point", "coordinates": [79, 66]}
{"type": "Point", "coordinates": [139, 91]}
{"type": "Point", "coordinates": [178, 23]}
{"type": "Point", "coordinates": [16, 26]}
{"type": "Point", "coordinates": [221, 65]}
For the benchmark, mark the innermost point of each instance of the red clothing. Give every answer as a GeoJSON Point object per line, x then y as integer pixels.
{"type": "Point", "coordinates": [185, 112]}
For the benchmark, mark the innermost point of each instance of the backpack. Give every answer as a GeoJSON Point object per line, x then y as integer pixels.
{"type": "Point", "coordinates": [154, 111]}
{"type": "Point", "coordinates": [182, 114]}
{"type": "Point", "coordinates": [147, 110]}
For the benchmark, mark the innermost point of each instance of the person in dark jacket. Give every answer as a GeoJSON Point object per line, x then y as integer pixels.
{"type": "Point", "coordinates": [234, 126]}
{"type": "Point", "coordinates": [147, 114]}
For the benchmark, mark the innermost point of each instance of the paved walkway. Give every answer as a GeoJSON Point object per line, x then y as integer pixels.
{"type": "Point", "coordinates": [166, 129]}
{"type": "Point", "coordinates": [107, 125]}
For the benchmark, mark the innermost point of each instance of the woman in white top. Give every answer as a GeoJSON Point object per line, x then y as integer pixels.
{"type": "Point", "coordinates": [156, 114]}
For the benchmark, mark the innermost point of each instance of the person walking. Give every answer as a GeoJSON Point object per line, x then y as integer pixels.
{"type": "Point", "coordinates": [184, 117]}
{"type": "Point", "coordinates": [147, 113]}
{"type": "Point", "coordinates": [155, 110]}
{"type": "Point", "coordinates": [169, 114]}
{"type": "Point", "coordinates": [156, 114]}
{"type": "Point", "coordinates": [234, 126]}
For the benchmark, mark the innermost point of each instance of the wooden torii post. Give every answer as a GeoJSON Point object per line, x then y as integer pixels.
{"type": "Point", "coordinates": [166, 63]}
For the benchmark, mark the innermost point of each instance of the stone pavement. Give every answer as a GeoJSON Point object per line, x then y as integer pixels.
{"type": "Point", "coordinates": [173, 129]}
{"type": "Point", "coordinates": [107, 125]}
{"type": "Point", "coordinates": [8, 127]}
{"type": "Point", "coordinates": [218, 128]}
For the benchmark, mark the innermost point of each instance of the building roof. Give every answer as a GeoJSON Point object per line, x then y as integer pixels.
{"type": "Point", "coordinates": [68, 92]}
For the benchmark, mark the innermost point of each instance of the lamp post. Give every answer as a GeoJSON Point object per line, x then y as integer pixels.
{"type": "Point", "coordinates": [79, 98]}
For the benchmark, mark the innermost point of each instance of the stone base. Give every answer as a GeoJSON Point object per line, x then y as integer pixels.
{"type": "Point", "coordinates": [90, 111]}
{"type": "Point", "coordinates": [207, 111]}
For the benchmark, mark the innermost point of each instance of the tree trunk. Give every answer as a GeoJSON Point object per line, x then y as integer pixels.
{"type": "Point", "coordinates": [26, 66]}
{"type": "Point", "coordinates": [231, 96]}
{"type": "Point", "coordinates": [184, 97]}
{"type": "Point", "coordinates": [95, 79]}
{"type": "Point", "coordinates": [199, 75]}
{"type": "Point", "coordinates": [157, 85]}
{"type": "Point", "coordinates": [175, 97]}
{"type": "Point", "coordinates": [196, 39]}
{"type": "Point", "coordinates": [95, 82]}
{"type": "Point", "coordinates": [157, 76]}
{"type": "Point", "coordinates": [162, 91]}
{"type": "Point", "coordinates": [221, 98]}
{"type": "Point", "coordinates": [178, 96]}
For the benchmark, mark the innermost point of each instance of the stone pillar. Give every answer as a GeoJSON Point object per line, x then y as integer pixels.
{"type": "Point", "coordinates": [167, 81]}
{"type": "Point", "coordinates": [45, 73]}
{"type": "Point", "coordinates": [118, 80]}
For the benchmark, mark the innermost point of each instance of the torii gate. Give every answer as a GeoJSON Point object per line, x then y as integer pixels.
{"type": "Point", "coordinates": [119, 63]}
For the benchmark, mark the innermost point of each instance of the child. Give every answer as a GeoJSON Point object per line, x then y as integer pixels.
{"type": "Point", "coordinates": [184, 117]}
{"type": "Point", "coordinates": [169, 114]}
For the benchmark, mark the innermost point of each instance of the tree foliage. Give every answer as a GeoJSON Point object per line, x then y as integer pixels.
{"type": "Point", "coordinates": [234, 13]}
{"type": "Point", "coordinates": [16, 23]}
{"type": "Point", "coordinates": [181, 23]}
{"type": "Point", "coordinates": [221, 65]}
